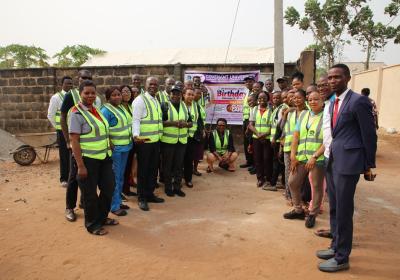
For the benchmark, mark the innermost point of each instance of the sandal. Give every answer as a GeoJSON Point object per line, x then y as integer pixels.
{"type": "Point", "coordinates": [99, 231]}
{"type": "Point", "coordinates": [324, 233]}
{"type": "Point", "coordinates": [111, 222]}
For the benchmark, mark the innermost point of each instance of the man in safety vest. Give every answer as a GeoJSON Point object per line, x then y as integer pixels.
{"type": "Point", "coordinates": [176, 122]}
{"type": "Point", "coordinates": [163, 95]}
{"type": "Point", "coordinates": [249, 81]}
{"type": "Point", "coordinates": [54, 116]}
{"type": "Point", "coordinates": [137, 83]}
{"type": "Point", "coordinates": [221, 148]}
{"type": "Point", "coordinates": [147, 130]}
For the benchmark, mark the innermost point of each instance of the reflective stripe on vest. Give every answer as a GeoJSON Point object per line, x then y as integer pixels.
{"type": "Point", "coordinates": [262, 122]}
{"type": "Point", "coordinates": [120, 134]}
{"type": "Point", "coordinates": [310, 139]}
{"type": "Point", "coordinates": [202, 112]}
{"type": "Point", "coordinates": [218, 147]}
{"type": "Point", "coordinates": [151, 126]}
{"type": "Point", "coordinates": [172, 134]}
{"type": "Point", "coordinates": [289, 127]}
{"type": "Point", "coordinates": [58, 113]}
{"type": "Point", "coordinates": [246, 108]}
{"type": "Point", "coordinates": [95, 144]}
{"type": "Point", "coordinates": [274, 120]}
{"type": "Point", "coordinates": [195, 116]}
{"type": "Point", "coordinates": [128, 113]}
{"type": "Point", "coordinates": [163, 96]}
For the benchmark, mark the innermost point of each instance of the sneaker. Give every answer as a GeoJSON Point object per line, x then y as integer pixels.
{"type": "Point", "coordinates": [70, 215]}
{"type": "Point", "coordinates": [310, 221]}
{"type": "Point", "coordinates": [269, 188]}
{"type": "Point", "coordinates": [294, 215]}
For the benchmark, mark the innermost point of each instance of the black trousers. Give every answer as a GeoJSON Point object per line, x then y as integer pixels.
{"type": "Point", "coordinates": [263, 159]}
{"type": "Point", "coordinates": [278, 168]}
{"type": "Point", "coordinates": [148, 156]}
{"type": "Point", "coordinates": [72, 188]}
{"type": "Point", "coordinates": [97, 206]}
{"type": "Point", "coordinates": [172, 157]}
{"type": "Point", "coordinates": [246, 141]}
{"type": "Point", "coordinates": [63, 153]}
{"type": "Point", "coordinates": [188, 159]}
{"type": "Point", "coordinates": [341, 190]}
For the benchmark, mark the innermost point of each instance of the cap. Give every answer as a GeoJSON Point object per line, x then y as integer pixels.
{"type": "Point", "coordinates": [176, 88]}
{"type": "Point", "coordinates": [249, 78]}
{"type": "Point", "coordinates": [283, 78]}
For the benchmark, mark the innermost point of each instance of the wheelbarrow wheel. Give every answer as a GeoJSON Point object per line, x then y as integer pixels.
{"type": "Point", "coordinates": [24, 155]}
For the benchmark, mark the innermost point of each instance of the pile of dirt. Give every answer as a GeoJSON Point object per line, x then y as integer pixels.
{"type": "Point", "coordinates": [8, 143]}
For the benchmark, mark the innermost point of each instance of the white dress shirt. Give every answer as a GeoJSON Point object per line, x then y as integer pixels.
{"type": "Point", "coordinates": [140, 112]}
{"type": "Point", "coordinates": [54, 106]}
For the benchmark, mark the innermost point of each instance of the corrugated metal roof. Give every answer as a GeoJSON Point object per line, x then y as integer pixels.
{"type": "Point", "coordinates": [184, 56]}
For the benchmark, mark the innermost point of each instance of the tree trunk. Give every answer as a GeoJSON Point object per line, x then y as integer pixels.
{"type": "Point", "coordinates": [369, 48]}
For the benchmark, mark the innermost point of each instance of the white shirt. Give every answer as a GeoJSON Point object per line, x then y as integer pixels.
{"type": "Point", "coordinates": [341, 98]}
{"type": "Point", "coordinates": [54, 106]}
{"type": "Point", "coordinates": [140, 112]}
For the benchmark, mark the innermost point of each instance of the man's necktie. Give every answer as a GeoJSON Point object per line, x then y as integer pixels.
{"type": "Point", "coordinates": [335, 111]}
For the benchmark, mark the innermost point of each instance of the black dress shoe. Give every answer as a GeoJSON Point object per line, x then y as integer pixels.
{"type": "Point", "coordinates": [294, 215]}
{"type": "Point", "coordinates": [120, 212]}
{"type": "Point", "coordinates": [310, 221]}
{"type": "Point", "coordinates": [189, 184]}
{"type": "Point", "coordinates": [169, 192]}
{"type": "Point", "coordinates": [155, 199]}
{"type": "Point", "coordinates": [244, 165]}
{"type": "Point", "coordinates": [180, 193]}
{"type": "Point", "coordinates": [250, 167]}
{"type": "Point", "coordinates": [125, 207]}
{"type": "Point", "coordinates": [253, 171]}
{"type": "Point", "coordinates": [130, 193]}
{"type": "Point", "coordinates": [143, 205]}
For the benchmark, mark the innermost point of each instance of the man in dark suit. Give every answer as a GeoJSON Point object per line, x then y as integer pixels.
{"type": "Point", "coordinates": [352, 153]}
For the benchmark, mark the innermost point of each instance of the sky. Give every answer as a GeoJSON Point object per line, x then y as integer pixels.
{"type": "Point", "coordinates": [123, 25]}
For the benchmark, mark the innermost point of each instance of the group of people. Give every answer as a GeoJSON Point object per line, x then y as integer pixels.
{"type": "Point", "coordinates": [319, 141]}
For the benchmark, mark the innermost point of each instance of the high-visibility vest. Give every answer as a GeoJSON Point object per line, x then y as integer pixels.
{"type": "Point", "coordinates": [121, 133]}
{"type": "Point", "coordinates": [202, 101]}
{"type": "Point", "coordinates": [151, 126]}
{"type": "Point", "coordinates": [95, 144]}
{"type": "Point", "coordinates": [221, 149]}
{"type": "Point", "coordinates": [203, 113]}
{"type": "Point", "coordinates": [128, 113]}
{"type": "Point", "coordinates": [274, 120]}
{"type": "Point", "coordinates": [262, 122]}
{"type": "Point", "coordinates": [288, 129]}
{"type": "Point", "coordinates": [77, 98]}
{"type": "Point", "coordinates": [58, 113]}
{"type": "Point", "coordinates": [172, 134]}
{"type": "Point", "coordinates": [163, 96]}
{"type": "Point", "coordinates": [246, 107]}
{"type": "Point", "coordinates": [194, 113]}
{"type": "Point", "coordinates": [311, 138]}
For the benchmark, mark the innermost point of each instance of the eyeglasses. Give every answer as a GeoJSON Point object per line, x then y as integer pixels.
{"type": "Point", "coordinates": [322, 85]}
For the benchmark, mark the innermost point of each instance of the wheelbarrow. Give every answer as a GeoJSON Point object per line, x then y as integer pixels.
{"type": "Point", "coordinates": [26, 154]}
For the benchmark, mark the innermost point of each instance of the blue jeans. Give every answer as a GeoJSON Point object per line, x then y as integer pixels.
{"type": "Point", "coordinates": [119, 163]}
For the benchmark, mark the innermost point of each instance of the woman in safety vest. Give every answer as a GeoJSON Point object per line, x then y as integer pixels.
{"type": "Point", "coordinates": [121, 138]}
{"type": "Point", "coordinates": [307, 155]}
{"type": "Point", "coordinates": [200, 133]}
{"type": "Point", "coordinates": [221, 148]}
{"type": "Point", "coordinates": [260, 125]}
{"type": "Point", "coordinates": [89, 137]}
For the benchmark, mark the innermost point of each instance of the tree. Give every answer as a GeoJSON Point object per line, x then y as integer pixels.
{"type": "Point", "coordinates": [393, 10]}
{"type": "Point", "coordinates": [327, 23]}
{"type": "Point", "coordinates": [75, 55]}
{"type": "Point", "coordinates": [370, 35]}
{"type": "Point", "coordinates": [22, 56]}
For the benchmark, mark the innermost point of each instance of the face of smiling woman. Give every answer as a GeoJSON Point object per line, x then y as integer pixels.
{"type": "Point", "coordinates": [88, 95]}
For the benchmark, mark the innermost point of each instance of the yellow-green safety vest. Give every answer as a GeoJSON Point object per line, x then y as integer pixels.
{"type": "Point", "coordinates": [58, 113]}
{"type": "Point", "coordinates": [121, 133]}
{"type": "Point", "coordinates": [128, 113]}
{"type": "Point", "coordinates": [163, 96]}
{"type": "Point", "coordinates": [194, 113]}
{"type": "Point", "coordinates": [172, 134]}
{"type": "Point", "coordinates": [203, 113]}
{"type": "Point", "coordinates": [151, 126]}
{"type": "Point", "coordinates": [221, 149]}
{"type": "Point", "coordinates": [246, 107]}
{"type": "Point", "coordinates": [262, 122]}
{"type": "Point", "coordinates": [311, 138]}
{"type": "Point", "coordinates": [288, 129]}
{"type": "Point", "coordinates": [274, 120]}
{"type": "Point", "coordinates": [96, 143]}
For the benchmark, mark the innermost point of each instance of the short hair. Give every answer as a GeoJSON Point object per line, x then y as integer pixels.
{"type": "Point", "coordinates": [260, 83]}
{"type": "Point", "coordinates": [298, 75]}
{"type": "Point", "coordinates": [65, 78]}
{"type": "Point", "coordinates": [186, 89]}
{"type": "Point", "coordinates": [86, 83]}
{"type": "Point", "coordinates": [194, 77]}
{"type": "Point", "coordinates": [344, 67]}
{"type": "Point", "coordinates": [302, 92]}
{"type": "Point", "coordinates": [365, 91]}
{"type": "Point", "coordinates": [110, 90]}
{"type": "Point", "coordinates": [222, 120]}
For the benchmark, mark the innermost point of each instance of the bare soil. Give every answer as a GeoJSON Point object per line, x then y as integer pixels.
{"type": "Point", "coordinates": [225, 228]}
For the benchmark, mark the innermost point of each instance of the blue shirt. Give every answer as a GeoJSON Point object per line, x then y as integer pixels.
{"type": "Point", "coordinates": [112, 121]}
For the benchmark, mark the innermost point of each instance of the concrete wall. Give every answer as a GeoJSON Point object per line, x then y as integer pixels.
{"type": "Point", "coordinates": [384, 84]}
{"type": "Point", "coordinates": [25, 93]}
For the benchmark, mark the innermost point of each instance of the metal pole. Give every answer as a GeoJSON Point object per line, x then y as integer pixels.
{"type": "Point", "coordinates": [279, 67]}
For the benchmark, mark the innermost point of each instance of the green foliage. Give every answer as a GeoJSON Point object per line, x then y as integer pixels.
{"type": "Point", "coordinates": [22, 56]}
{"type": "Point", "coordinates": [327, 22]}
{"type": "Point", "coordinates": [75, 55]}
{"type": "Point", "coordinates": [393, 10]}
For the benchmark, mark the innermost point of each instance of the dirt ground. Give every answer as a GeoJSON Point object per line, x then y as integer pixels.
{"type": "Point", "coordinates": [225, 228]}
